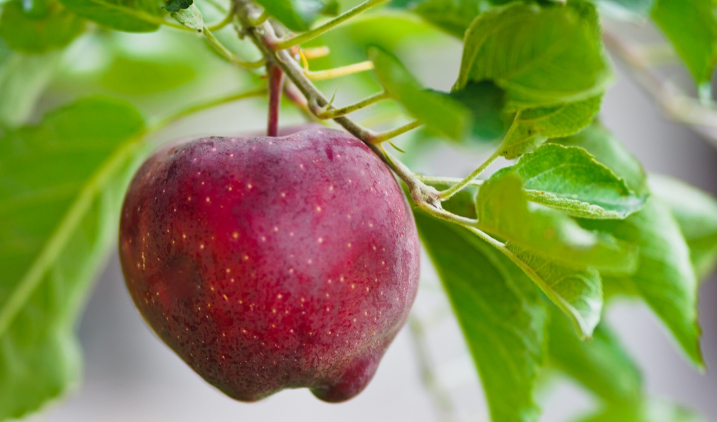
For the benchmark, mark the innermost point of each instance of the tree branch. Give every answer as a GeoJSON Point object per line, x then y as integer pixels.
{"type": "Point", "coordinates": [264, 37]}
{"type": "Point", "coordinates": [676, 104]}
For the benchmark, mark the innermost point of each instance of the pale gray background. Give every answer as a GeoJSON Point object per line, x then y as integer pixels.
{"type": "Point", "coordinates": [132, 376]}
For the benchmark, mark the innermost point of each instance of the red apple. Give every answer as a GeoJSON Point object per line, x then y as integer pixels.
{"type": "Point", "coordinates": [271, 263]}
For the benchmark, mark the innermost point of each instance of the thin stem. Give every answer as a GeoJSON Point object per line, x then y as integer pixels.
{"type": "Point", "coordinates": [529, 271]}
{"type": "Point", "coordinates": [678, 105]}
{"type": "Point", "coordinates": [264, 37]}
{"type": "Point", "coordinates": [217, 6]}
{"type": "Point", "coordinates": [446, 194]}
{"type": "Point", "coordinates": [390, 134]}
{"type": "Point", "coordinates": [226, 21]}
{"type": "Point", "coordinates": [495, 243]}
{"type": "Point", "coordinates": [174, 25]}
{"type": "Point", "coordinates": [325, 113]}
{"type": "Point", "coordinates": [261, 18]}
{"type": "Point", "coordinates": [450, 181]}
{"type": "Point", "coordinates": [339, 71]}
{"type": "Point", "coordinates": [276, 82]}
{"type": "Point", "coordinates": [657, 55]}
{"type": "Point", "coordinates": [231, 57]}
{"type": "Point", "coordinates": [449, 216]}
{"type": "Point", "coordinates": [310, 35]}
{"type": "Point", "coordinates": [193, 108]}
{"type": "Point", "coordinates": [441, 398]}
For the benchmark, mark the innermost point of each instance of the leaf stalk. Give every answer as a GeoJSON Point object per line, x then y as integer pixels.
{"type": "Point", "coordinates": [448, 193]}
{"type": "Point", "coordinates": [326, 113]}
{"type": "Point", "coordinates": [333, 23]}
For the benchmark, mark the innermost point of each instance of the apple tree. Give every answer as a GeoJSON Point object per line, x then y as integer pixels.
{"type": "Point", "coordinates": [289, 258]}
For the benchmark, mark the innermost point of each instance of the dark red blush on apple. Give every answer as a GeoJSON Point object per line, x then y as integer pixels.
{"type": "Point", "coordinates": [272, 263]}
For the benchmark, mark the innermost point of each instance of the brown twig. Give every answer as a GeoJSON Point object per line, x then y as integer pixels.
{"type": "Point", "coordinates": [265, 39]}
{"type": "Point", "coordinates": [675, 103]}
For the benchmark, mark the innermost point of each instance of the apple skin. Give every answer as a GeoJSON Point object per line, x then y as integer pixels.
{"type": "Point", "coordinates": [271, 263]}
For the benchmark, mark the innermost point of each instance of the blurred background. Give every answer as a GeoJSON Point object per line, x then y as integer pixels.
{"type": "Point", "coordinates": [131, 376]}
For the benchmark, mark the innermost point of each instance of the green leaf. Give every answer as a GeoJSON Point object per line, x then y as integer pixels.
{"type": "Point", "coordinates": [439, 112]}
{"type": "Point", "coordinates": [128, 74]}
{"type": "Point", "coordinates": [696, 213]}
{"type": "Point", "coordinates": [607, 150]}
{"type": "Point", "coordinates": [486, 102]}
{"type": "Point", "coordinates": [571, 180]}
{"type": "Point", "coordinates": [122, 15]}
{"type": "Point", "coordinates": [331, 8]}
{"type": "Point", "coordinates": [500, 313]}
{"type": "Point", "coordinates": [532, 127]}
{"type": "Point", "coordinates": [601, 365]}
{"type": "Point", "coordinates": [5, 51]}
{"type": "Point", "coordinates": [61, 186]}
{"type": "Point", "coordinates": [190, 17]}
{"type": "Point", "coordinates": [297, 15]}
{"type": "Point", "coordinates": [625, 9]}
{"type": "Point", "coordinates": [691, 26]}
{"type": "Point", "coordinates": [648, 411]}
{"type": "Point", "coordinates": [177, 5]}
{"type": "Point", "coordinates": [23, 79]}
{"type": "Point", "coordinates": [578, 293]}
{"type": "Point", "coordinates": [36, 35]}
{"type": "Point", "coordinates": [452, 16]}
{"type": "Point", "coordinates": [504, 211]}
{"type": "Point", "coordinates": [541, 56]}
{"type": "Point", "coordinates": [664, 278]}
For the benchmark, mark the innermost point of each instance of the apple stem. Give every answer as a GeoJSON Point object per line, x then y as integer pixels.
{"type": "Point", "coordinates": [264, 37]}
{"type": "Point", "coordinates": [276, 82]}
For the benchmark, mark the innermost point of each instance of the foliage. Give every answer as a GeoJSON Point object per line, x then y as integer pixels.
{"type": "Point", "coordinates": [504, 308]}
{"type": "Point", "coordinates": [529, 257]}
{"type": "Point", "coordinates": [55, 232]}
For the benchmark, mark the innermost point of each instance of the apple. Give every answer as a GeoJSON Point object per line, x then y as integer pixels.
{"type": "Point", "coordinates": [268, 263]}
